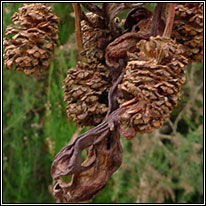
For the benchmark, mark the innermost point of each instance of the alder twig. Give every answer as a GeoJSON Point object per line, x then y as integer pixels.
{"type": "Point", "coordinates": [77, 12]}
{"type": "Point", "coordinates": [93, 8]}
{"type": "Point", "coordinates": [157, 19]}
{"type": "Point", "coordinates": [170, 20]}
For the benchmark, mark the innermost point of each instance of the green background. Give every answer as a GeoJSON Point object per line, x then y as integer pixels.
{"type": "Point", "coordinates": [163, 167]}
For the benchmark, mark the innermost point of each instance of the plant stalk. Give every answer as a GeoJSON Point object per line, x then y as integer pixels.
{"type": "Point", "coordinates": [170, 20]}
{"type": "Point", "coordinates": [156, 21]}
{"type": "Point", "coordinates": [77, 12]}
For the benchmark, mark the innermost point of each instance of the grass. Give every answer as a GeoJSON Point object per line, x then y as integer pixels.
{"type": "Point", "coordinates": [35, 128]}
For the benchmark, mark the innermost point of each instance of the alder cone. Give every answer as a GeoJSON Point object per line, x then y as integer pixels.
{"type": "Point", "coordinates": [35, 35]}
{"type": "Point", "coordinates": [85, 91]}
{"type": "Point", "coordinates": [86, 86]}
{"type": "Point", "coordinates": [94, 38]}
{"type": "Point", "coordinates": [188, 29]}
{"type": "Point", "coordinates": [151, 85]}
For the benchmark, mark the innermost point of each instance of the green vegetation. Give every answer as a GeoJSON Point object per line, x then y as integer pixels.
{"type": "Point", "coordinates": [163, 167]}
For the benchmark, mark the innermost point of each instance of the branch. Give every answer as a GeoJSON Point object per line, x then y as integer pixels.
{"type": "Point", "coordinates": [157, 18]}
{"type": "Point", "coordinates": [77, 12]}
{"type": "Point", "coordinates": [111, 10]}
{"type": "Point", "coordinates": [93, 8]}
{"type": "Point", "coordinates": [170, 20]}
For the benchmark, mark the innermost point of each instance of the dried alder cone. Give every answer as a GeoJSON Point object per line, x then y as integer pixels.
{"type": "Point", "coordinates": [86, 86]}
{"type": "Point", "coordinates": [94, 38]}
{"type": "Point", "coordinates": [35, 35]}
{"type": "Point", "coordinates": [85, 91]}
{"type": "Point", "coordinates": [151, 85]}
{"type": "Point", "coordinates": [188, 29]}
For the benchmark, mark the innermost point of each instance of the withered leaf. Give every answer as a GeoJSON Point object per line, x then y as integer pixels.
{"type": "Point", "coordinates": [104, 160]}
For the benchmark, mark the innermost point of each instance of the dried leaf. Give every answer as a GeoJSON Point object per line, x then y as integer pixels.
{"type": "Point", "coordinates": [104, 159]}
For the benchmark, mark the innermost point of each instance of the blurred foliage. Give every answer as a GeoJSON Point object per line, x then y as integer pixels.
{"type": "Point", "coordinates": [163, 167]}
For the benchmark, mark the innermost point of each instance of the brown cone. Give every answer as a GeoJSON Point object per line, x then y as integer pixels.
{"type": "Point", "coordinates": [94, 38]}
{"type": "Point", "coordinates": [86, 86]}
{"type": "Point", "coordinates": [188, 29]}
{"type": "Point", "coordinates": [151, 85]}
{"type": "Point", "coordinates": [35, 35]}
{"type": "Point", "coordinates": [85, 91]}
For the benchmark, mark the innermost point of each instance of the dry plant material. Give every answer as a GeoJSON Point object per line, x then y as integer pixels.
{"type": "Point", "coordinates": [105, 158]}
{"type": "Point", "coordinates": [158, 22]}
{"type": "Point", "coordinates": [142, 21]}
{"type": "Point", "coordinates": [109, 12]}
{"type": "Point", "coordinates": [86, 86]}
{"type": "Point", "coordinates": [151, 85]}
{"type": "Point", "coordinates": [95, 38]}
{"type": "Point", "coordinates": [140, 25]}
{"type": "Point", "coordinates": [188, 29]}
{"type": "Point", "coordinates": [77, 11]}
{"type": "Point", "coordinates": [85, 91]}
{"type": "Point", "coordinates": [34, 38]}
{"type": "Point", "coordinates": [142, 76]}
{"type": "Point", "coordinates": [138, 16]}
{"type": "Point", "coordinates": [119, 48]}
{"type": "Point", "coordinates": [126, 83]}
{"type": "Point", "coordinates": [112, 10]}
